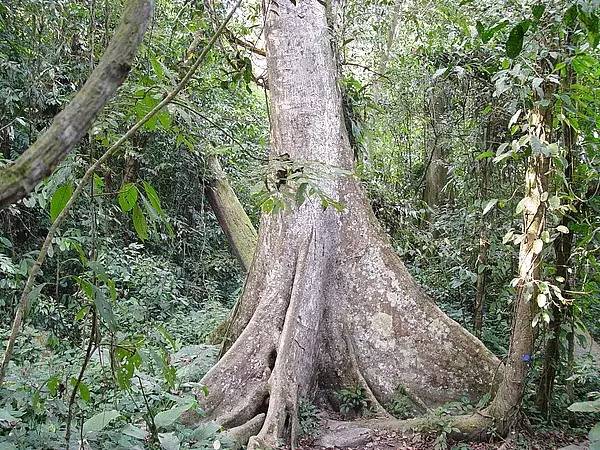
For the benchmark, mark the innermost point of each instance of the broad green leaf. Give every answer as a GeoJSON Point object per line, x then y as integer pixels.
{"type": "Point", "coordinates": [86, 287]}
{"type": "Point", "coordinates": [554, 202]}
{"type": "Point", "coordinates": [489, 206]}
{"type": "Point", "coordinates": [128, 195]}
{"type": "Point", "coordinates": [487, 34]}
{"type": "Point", "coordinates": [53, 383]}
{"type": "Point", "coordinates": [570, 16]}
{"type": "Point", "coordinates": [143, 107]}
{"type": "Point", "coordinates": [99, 421]}
{"type": "Point", "coordinates": [134, 432]}
{"type": "Point", "coordinates": [268, 205]}
{"type": "Point", "coordinates": [157, 68]}
{"type": "Point", "coordinates": [542, 300]}
{"type": "Point", "coordinates": [168, 417]}
{"type": "Point", "coordinates": [528, 204]}
{"type": "Point", "coordinates": [483, 155]}
{"type": "Point", "coordinates": [538, 11]}
{"type": "Point", "coordinates": [82, 313]}
{"type": "Point", "coordinates": [514, 44]}
{"type": "Point", "coordinates": [438, 73]}
{"type": "Point", "coordinates": [591, 406]}
{"type": "Point", "coordinates": [153, 198]}
{"type": "Point", "coordinates": [139, 223]}
{"type": "Point", "coordinates": [590, 21]}
{"type": "Point", "coordinates": [164, 119]}
{"type": "Point", "coordinates": [168, 441]}
{"type": "Point", "coordinates": [105, 309]}
{"type": "Point", "coordinates": [59, 200]}
{"type": "Point", "coordinates": [98, 184]}
{"type": "Point", "coordinates": [84, 391]}
{"type": "Point", "coordinates": [545, 236]}
{"type": "Point", "coordinates": [7, 416]}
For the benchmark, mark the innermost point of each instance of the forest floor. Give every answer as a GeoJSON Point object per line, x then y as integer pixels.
{"type": "Point", "coordinates": [550, 440]}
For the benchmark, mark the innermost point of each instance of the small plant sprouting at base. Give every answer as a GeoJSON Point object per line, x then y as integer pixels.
{"type": "Point", "coordinates": [353, 400]}
{"type": "Point", "coordinates": [308, 418]}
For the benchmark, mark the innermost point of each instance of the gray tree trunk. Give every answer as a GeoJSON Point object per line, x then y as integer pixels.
{"type": "Point", "coordinates": [327, 302]}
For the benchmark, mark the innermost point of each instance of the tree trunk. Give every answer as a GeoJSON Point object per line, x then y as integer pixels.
{"type": "Point", "coordinates": [507, 402]}
{"type": "Point", "coordinates": [436, 172]}
{"type": "Point", "coordinates": [239, 231]}
{"type": "Point", "coordinates": [562, 249]}
{"type": "Point", "coordinates": [484, 246]}
{"type": "Point", "coordinates": [484, 243]}
{"type": "Point", "coordinates": [327, 303]}
{"type": "Point", "coordinates": [230, 213]}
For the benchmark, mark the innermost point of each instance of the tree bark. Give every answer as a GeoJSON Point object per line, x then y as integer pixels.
{"type": "Point", "coordinates": [70, 125]}
{"type": "Point", "coordinates": [234, 221]}
{"type": "Point", "coordinates": [327, 302]}
{"type": "Point", "coordinates": [484, 244]}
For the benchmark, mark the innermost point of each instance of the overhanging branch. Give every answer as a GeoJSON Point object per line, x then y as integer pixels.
{"type": "Point", "coordinates": [71, 124]}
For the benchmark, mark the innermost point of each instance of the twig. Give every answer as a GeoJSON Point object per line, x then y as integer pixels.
{"type": "Point", "coordinates": [86, 360]}
{"type": "Point", "coordinates": [242, 43]}
{"type": "Point", "coordinates": [150, 420]}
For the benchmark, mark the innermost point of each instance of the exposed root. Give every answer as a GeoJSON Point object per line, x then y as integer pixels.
{"type": "Point", "coordinates": [338, 434]}
{"type": "Point", "coordinates": [245, 408]}
{"type": "Point", "coordinates": [242, 433]}
{"type": "Point", "coordinates": [374, 404]}
{"type": "Point", "coordinates": [477, 426]}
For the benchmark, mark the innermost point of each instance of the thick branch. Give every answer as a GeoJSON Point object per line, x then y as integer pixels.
{"type": "Point", "coordinates": [230, 213]}
{"type": "Point", "coordinates": [71, 124]}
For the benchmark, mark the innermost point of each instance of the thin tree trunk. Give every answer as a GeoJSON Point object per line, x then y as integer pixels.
{"type": "Point", "coordinates": [436, 172]}
{"type": "Point", "coordinates": [391, 37]}
{"type": "Point", "coordinates": [484, 246]}
{"type": "Point", "coordinates": [507, 402]}
{"type": "Point", "coordinates": [484, 243]}
{"type": "Point", "coordinates": [562, 249]}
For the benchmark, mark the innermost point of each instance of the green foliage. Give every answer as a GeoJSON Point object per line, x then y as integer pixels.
{"type": "Point", "coordinates": [59, 200]}
{"type": "Point", "coordinates": [308, 419]}
{"type": "Point", "coordinates": [401, 406]}
{"type": "Point", "coordinates": [592, 406]}
{"type": "Point", "coordinates": [143, 252]}
{"type": "Point", "coordinates": [514, 45]}
{"type": "Point", "coordinates": [353, 400]}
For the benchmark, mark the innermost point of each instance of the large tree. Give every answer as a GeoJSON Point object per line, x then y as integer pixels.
{"type": "Point", "coordinates": [327, 302]}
